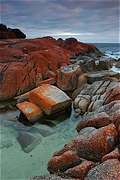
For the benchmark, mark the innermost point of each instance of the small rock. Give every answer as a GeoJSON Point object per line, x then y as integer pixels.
{"type": "Point", "coordinates": [97, 121]}
{"type": "Point", "coordinates": [28, 141]}
{"type": "Point", "coordinates": [30, 110]}
{"type": "Point", "coordinates": [80, 171]}
{"type": "Point", "coordinates": [63, 162]}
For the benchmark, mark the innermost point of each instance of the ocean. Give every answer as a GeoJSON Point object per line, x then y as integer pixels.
{"type": "Point", "coordinates": [110, 49]}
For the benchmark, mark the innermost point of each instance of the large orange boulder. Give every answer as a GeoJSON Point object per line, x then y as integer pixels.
{"type": "Point", "coordinates": [49, 98]}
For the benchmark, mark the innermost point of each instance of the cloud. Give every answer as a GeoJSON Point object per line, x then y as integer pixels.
{"type": "Point", "coordinates": [71, 34]}
{"type": "Point", "coordinates": [84, 19]}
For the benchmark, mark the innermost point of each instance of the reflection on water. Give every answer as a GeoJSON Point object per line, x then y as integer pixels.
{"type": "Point", "coordinates": [15, 163]}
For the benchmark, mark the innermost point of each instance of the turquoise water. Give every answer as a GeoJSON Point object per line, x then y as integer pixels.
{"type": "Point", "coordinates": [19, 165]}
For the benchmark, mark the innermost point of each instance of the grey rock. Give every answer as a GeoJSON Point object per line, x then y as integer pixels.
{"type": "Point", "coordinates": [28, 141]}
{"type": "Point", "coordinates": [44, 131]}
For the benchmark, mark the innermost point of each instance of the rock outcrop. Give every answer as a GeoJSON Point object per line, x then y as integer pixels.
{"type": "Point", "coordinates": [77, 48]}
{"type": "Point", "coordinates": [25, 63]}
{"type": "Point", "coordinates": [98, 143]}
{"type": "Point", "coordinates": [101, 96]}
{"type": "Point", "coordinates": [9, 33]}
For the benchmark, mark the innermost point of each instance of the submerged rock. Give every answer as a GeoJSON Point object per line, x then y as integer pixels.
{"type": "Point", "coordinates": [28, 141]}
{"type": "Point", "coordinates": [44, 131]}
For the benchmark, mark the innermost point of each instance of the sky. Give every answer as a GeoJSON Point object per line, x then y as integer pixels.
{"type": "Point", "coordinates": [86, 20]}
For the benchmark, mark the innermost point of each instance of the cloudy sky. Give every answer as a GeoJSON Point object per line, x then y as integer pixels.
{"type": "Point", "coordinates": [87, 20]}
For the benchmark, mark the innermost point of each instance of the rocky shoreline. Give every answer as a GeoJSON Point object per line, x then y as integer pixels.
{"type": "Point", "coordinates": [55, 75]}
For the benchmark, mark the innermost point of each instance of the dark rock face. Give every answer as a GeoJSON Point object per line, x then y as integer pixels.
{"type": "Point", "coordinates": [8, 33]}
{"type": "Point", "coordinates": [3, 27]}
{"type": "Point", "coordinates": [19, 34]}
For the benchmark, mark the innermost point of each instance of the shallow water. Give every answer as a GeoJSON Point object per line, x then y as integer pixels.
{"type": "Point", "coordinates": [18, 165]}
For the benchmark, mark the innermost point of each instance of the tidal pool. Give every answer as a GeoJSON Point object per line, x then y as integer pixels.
{"type": "Point", "coordinates": [15, 162]}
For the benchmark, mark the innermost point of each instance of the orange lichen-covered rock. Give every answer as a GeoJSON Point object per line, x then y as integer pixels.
{"type": "Point", "coordinates": [115, 154]}
{"type": "Point", "coordinates": [80, 171]}
{"type": "Point", "coordinates": [98, 143]}
{"type": "Point", "coordinates": [67, 77]}
{"type": "Point", "coordinates": [98, 120]}
{"type": "Point", "coordinates": [82, 79]}
{"type": "Point", "coordinates": [30, 110]}
{"type": "Point", "coordinates": [15, 79]}
{"type": "Point", "coordinates": [112, 94]}
{"type": "Point", "coordinates": [48, 81]}
{"type": "Point", "coordinates": [63, 162]}
{"type": "Point", "coordinates": [92, 144]}
{"type": "Point", "coordinates": [116, 118]}
{"type": "Point", "coordinates": [77, 47]}
{"type": "Point", "coordinates": [49, 98]}
{"type": "Point", "coordinates": [108, 170]}
{"type": "Point", "coordinates": [8, 54]}
{"type": "Point", "coordinates": [25, 63]}
{"type": "Point", "coordinates": [49, 59]}
{"type": "Point", "coordinates": [19, 77]}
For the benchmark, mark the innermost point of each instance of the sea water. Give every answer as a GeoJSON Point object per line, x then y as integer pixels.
{"type": "Point", "coordinates": [110, 49]}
